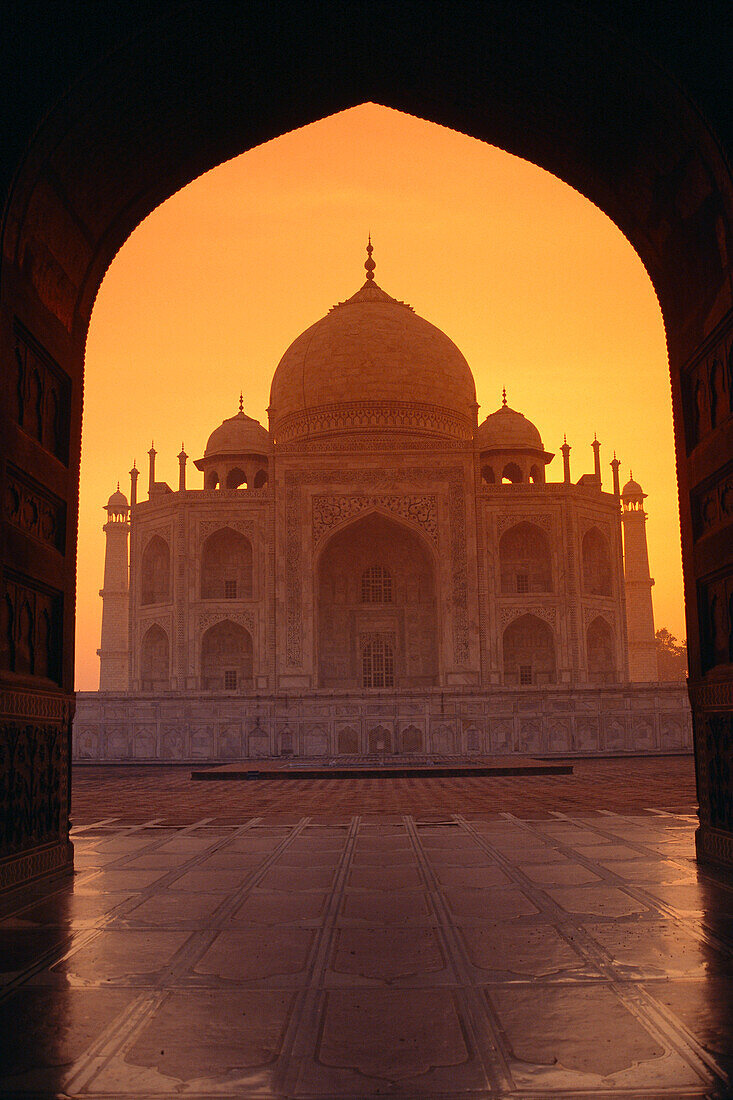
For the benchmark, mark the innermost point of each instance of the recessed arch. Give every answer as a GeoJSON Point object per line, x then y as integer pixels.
{"type": "Point", "coordinates": [155, 572]}
{"type": "Point", "coordinates": [597, 571]}
{"type": "Point", "coordinates": [226, 566]}
{"type": "Point", "coordinates": [155, 660]}
{"type": "Point", "coordinates": [237, 479]}
{"type": "Point", "coordinates": [528, 646]}
{"type": "Point", "coordinates": [525, 559]}
{"type": "Point", "coordinates": [226, 657]}
{"type": "Point", "coordinates": [600, 652]}
{"type": "Point", "coordinates": [377, 610]}
{"type": "Point", "coordinates": [512, 472]}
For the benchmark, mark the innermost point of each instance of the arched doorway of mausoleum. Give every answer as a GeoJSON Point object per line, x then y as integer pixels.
{"type": "Point", "coordinates": [376, 606]}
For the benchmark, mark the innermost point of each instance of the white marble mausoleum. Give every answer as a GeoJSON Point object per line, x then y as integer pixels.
{"type": "Point", "coordinates": [377, 571]}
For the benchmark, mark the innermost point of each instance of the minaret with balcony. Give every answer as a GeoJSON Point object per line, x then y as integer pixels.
{"type": "Point", "coordinates": [113, 653]}
{"type": "Point", "coordinates": [639, 613]}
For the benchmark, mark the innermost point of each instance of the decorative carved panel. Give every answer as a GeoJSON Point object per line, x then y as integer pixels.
{"type": "Point", "coordinates": [40, 395]}
{"type": "Point", "coordinates": [34, 777]}
{"type": "Point", "coordinates": [712, 503]}
{"type": "Point", "coordinates": [30, 628]}
{"type": "Point", "coordinates": [512, 519]}
{"type": "Point", "coordinates": [707, 389]}
{"type": "Point", "coordinates": [329, 510]}
{"type": "Point", "coordinates": [508, 614]}
{"type": "Point", "coordinates": [210, 618]}
{"type": "Point", "coordinates": [34, 510]}
{"type": "Point", "coordinates": [715, 596]}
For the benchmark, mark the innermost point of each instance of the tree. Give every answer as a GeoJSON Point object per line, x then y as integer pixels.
{"type": "Point", "coordinates": [671, 656]}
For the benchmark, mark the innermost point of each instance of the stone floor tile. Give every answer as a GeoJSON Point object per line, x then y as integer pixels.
{"type": "Point", "coordinates": [601, 901]}
{"type": "Point", "coordinates": [216, 880]}
{"type": "Point", "coordinates": [522, 950]}
{"type": "Point", "coordinates": [383, 907]}
{"type": "Point", "coordinates": [575, 1035]}
{"type": "Point", "coordinates": [652, 947]}
{"type": "Point", "coordinates": [271, 907]}
{"type": "Point", "coordinates": [705, 1007]}
{"type": "Point", "coordinates": [67, 908]}
{"type": "Point", "coordinates": [166, 910]}
{"type": "Point", "coordinates": [306, 877]}
{"type": "Point", "coordinates": [488, 874]}
{"type": "Point", "coordinates": [237, 1037]}
{"type": "Point", "coordinates": [249, 955]}
{"type": "Point", "coordinates": [492, 904]}
{"type": "Point", "coordinates": [376, 1040]}
{"type": "Point", "coordinates": [116, 955]}
{"type": "Point", "coordinates": [559, 874]}
{"type": "Point", "coordinates": [387, 954]}
{"type": "Point", "coordinates": [400, 877]}
{"type": "Point", "coordinates": [649, 871]}
{"type": "Point", "coordinates": [44, 1031]}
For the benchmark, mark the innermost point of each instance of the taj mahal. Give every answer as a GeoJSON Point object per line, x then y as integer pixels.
{"type": "Point", "coordinates": [378, 571]}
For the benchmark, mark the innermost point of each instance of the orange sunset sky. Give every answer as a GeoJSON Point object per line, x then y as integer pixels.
{"type": "Point", "coordinates": [537, 287]}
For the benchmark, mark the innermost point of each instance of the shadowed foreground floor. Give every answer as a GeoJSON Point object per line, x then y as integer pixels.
{"type": "Point", "coordinates": [335, 953]}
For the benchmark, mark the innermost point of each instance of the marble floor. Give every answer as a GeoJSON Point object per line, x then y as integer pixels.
{"type": "Point", "coordinates": [425, 955]}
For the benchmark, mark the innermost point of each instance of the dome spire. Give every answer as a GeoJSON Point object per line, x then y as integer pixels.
{"type": "Point", "coordinates": [241, 401]}
{"type": "Point", "coordinates": [503, 397]}
{"type": "Point", "coordinates": [369, 264]}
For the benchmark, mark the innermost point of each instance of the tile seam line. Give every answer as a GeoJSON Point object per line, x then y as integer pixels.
{"type": "Point", "coordinates": [457, 957]}
{"type": "Point", "coordinates": [88, 1067]}
{"type": "Point", "coordinates": [687, 1046]}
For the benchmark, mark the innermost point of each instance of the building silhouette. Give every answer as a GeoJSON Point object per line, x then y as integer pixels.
{"type": "Point", "coordinates": [377, 572]}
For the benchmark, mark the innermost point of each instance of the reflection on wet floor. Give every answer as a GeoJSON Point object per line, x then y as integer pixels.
{"type": "Point", "coordinates": [473, 956]}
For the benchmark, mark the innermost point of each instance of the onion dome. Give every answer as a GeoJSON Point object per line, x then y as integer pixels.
{"type": "Point", "coordinates": [508, 430]}
{"type": "Point", "coordinates": [239, 435]}
{"type": "Point", "coordinates": [117, 502]}
{"type": "Point", "coordinates": [372, 363]}
{"type": "Point", "coordinates": [632, 490]}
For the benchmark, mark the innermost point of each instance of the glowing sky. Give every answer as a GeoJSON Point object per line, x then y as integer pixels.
{"type": "Point", "coordinates": [537, 287]}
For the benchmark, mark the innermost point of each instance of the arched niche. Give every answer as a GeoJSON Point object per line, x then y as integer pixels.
{"type": "Point", "coordinates": [226, 566]}
{"type": "Point", "coordinates": [211, 481]}
{"type": "Point", "coordinates": [236, 478]}
{"type": "Point", "coordinates": [525, 559]}
{"type": "Point", "coordinates": [537, 474]}
{"type": "Point", "coordinates": [529, 653]}
{"type": "Point", "coordinates": [600, 652]}
{"type": "Point", "coordinates": [155, 572]}
{"type": "Point", "coordinates": [260, 479]}
{"type": "Point", "coordinates": [512, 472]}
{"type": "Point", "coordinates": [226, 658]}
{"type": "Point", "coordinates": [487, 474]}
{"type": "Point", "coordinates": [347, 741]}
{"type": "Point", "coordinates": [377, 615]}
{"type": "Point", "coordinates": [155, 660]}
{"type": "Point", "coordinates": [597, 572]}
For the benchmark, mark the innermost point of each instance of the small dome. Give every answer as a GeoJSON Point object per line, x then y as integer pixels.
{"type": "Point", "coordinates": [632, 489]}
{"type": "Point", "coordinates": [508, 430]}
{"type": "Point", "coordinates": [117, 502]}
{"type": "Point", "coordinates": [238, 435]}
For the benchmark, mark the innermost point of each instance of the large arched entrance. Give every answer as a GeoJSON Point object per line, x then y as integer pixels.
{"type": "Point", "coordinates": [543, 81]}
{"type": "Point", "coordinates": [377, 610]}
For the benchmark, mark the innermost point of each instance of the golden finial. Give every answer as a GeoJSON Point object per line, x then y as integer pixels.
{"type": "Point", "coordinates": [241, 401]}
{"type": "Point", "coordinates": [369, 263]}
{"type": "Point", "coordinates": [503, 397]}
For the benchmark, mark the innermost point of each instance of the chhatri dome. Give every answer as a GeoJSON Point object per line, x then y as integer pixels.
{"type": "Point", "coordinates": [508, 430]}
{"type": "Point", "coordinates": [239, 434]}
{"type": "Point", "coordinates": [372, 362]}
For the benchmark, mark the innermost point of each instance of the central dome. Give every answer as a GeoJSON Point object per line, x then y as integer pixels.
{"type": "Point", "coordinates": [371, 363]}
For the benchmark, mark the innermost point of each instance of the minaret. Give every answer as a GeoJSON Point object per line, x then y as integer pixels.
{"type": "Point", "coordinates": [597, 459]}
{"type": "Point", "coordinates": [113, 651]}
{"type": "Point", "coordinates": [639, 614]}
{"type": "Point", "coordinates": [565, 459]}
{"type": "Point", "coordinates": [182, 458]}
